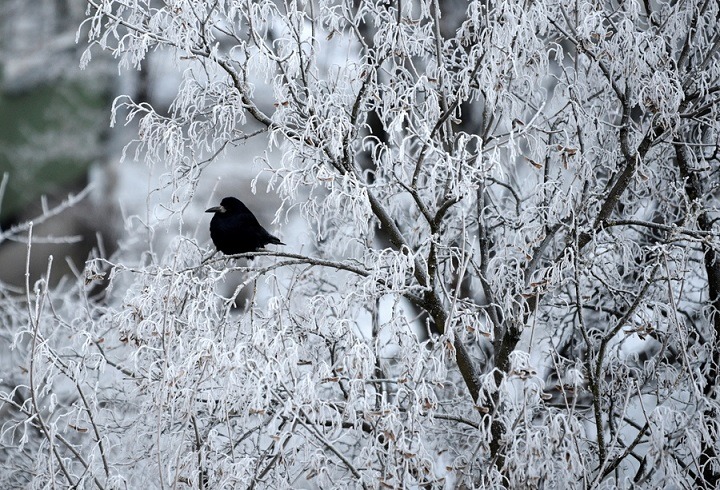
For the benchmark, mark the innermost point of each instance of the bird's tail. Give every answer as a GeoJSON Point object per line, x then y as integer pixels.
{"type": "Point", "coordinates": [275, 240]}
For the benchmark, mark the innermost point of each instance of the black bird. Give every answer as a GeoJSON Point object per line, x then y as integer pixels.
{"type": "Point", "coordinates": [235, 230]}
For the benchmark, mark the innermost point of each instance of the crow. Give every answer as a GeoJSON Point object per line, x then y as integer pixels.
{"type": "Point", "coordinates": [235, 230]}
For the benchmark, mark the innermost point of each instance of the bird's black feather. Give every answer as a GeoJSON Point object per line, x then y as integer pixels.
{"type": "Point", "coordinates": [235, 230]}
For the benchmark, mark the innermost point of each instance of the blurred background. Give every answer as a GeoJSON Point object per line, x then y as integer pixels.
{"type": "Point", "coordinates": [56, 139]}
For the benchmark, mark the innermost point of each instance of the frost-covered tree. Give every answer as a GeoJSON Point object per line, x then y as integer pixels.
{"type": "Point", "coordinates": [510, 277]}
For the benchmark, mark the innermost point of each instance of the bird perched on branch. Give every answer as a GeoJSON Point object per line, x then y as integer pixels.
{"type": "Point", "coordinates": [235, 230]}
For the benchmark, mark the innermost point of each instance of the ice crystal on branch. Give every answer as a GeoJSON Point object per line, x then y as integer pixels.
{"type": "Point", "coordinates": [511, 279]}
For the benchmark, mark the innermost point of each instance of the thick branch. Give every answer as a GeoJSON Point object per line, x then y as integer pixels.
{"type": "Point", "coordinates": [431, 302]}
{"type": "Point", "coordinates": [694, 191]}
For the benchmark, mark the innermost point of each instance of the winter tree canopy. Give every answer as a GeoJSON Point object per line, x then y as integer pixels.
{"type": "Point", "coordinates": [509, 276]}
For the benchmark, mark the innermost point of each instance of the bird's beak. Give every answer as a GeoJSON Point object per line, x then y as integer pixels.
{"type": "Point", "coordinates": [216, 209]}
